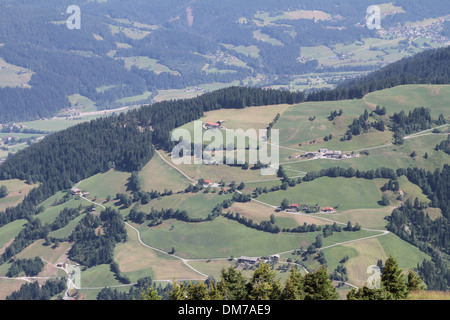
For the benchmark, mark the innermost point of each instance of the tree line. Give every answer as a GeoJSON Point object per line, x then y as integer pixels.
{"type": "Point", "coordinates": [263, 284]}
{"type": "Point", "coordinates": [33, 291]}
{"type": "Point", "coordinates": [444, 146]}
{"type": "Point", "coordinates": [31, 267]}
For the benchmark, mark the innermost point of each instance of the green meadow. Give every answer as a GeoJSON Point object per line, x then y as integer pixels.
{"type": "Point", "coordinates": [346, 193]}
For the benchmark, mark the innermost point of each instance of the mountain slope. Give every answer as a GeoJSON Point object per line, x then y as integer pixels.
{"type": "Point", "coordinates": [428, 67]}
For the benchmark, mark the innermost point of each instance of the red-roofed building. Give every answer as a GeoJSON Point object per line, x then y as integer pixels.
{"type": "Point", "coordinates": [328, 210]}
{"type": "Point", "coordinates": [212, 125]}
{"type": "Point", "coordinates": [207, 183]}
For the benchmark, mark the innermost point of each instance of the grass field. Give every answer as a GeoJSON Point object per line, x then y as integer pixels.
{"type": "Point", "coordinates": [17, 190]}
{"type": "Point", "coordinates": [259, 212]}
{"type": "Point", "coordinates": [57, 123]}
{"type": "Point", "coordinates": [158, 175]}
{"type": "Point", "coordinates": [298, 130]}
{"type": "Point", "coordinates": [140, 98]}
{"type": "Point", "coordinates": [106, 184]}
{"type": "Point", "coordinates": [390, 156]}
{"type": "Point", "coordinates": [295, 126]}
{"type": "Point", "coordinates": [408, 97]}
{"type": "Point", "coordinates": [217, 173]}
{"type": "Point", "coordinates": [147, 63]}
{"type": "Point", "coordinates": [265, 18]}
{"type": "Point", "coordinates": [367, 218]}
{"type": "Point", "coordinates": [9, 231]}
{"type": "Point", "coordinates": [82, 103]}
{"type": "Point", "coordinates": [14, 76]}
{"type": "Point", "coordinates": [8, 286]}
{"type": "Point", "coordinates": [220, 238]}
{"type": "Point", "coordinates": [365, 253]}
{"type": "Point", "coordinates": [346, 193]}
{"type": "Point", "coordinates": [429, 295]}
{"type": "Point", "coordinates": [98, 276]}
{"type": "Point", "coordinates": [258, 35]}
{"type": "Point", "coordinates": [189, 92]}
{"type": "Point", "coordinates": [137, 261]}
{"type": "Point", "coordinates": [197, 205]}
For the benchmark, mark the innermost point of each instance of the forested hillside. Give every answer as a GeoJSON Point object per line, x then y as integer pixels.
{"type": "Point", "coordinates": [429, 67]}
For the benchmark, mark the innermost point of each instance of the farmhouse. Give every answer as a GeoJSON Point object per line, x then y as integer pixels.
{"type": "Point", "coordinates": [275, 257]}
{"type": "Point", "coordinates": [212, 125]}
{"type": "Point", "coordinates": [207, 183]}
{"type": "Point", "coordinates": [248, 260]}
{"type": "Point", "coordinates": [328, 210]}
{"type": "Point", "coordinates": [75, 191]}
{"type": "Point", "coordinates": [293, 207]}
{"type": "Point", "coordinates": [323, 150]}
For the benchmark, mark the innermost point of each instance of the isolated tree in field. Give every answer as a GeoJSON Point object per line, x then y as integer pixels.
{"type": "Point", "coordinates": [319, 241]}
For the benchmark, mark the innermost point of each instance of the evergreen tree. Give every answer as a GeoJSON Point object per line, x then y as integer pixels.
{"type": "Point", "coordinates": [318, 286]}
{"type": "Point", "coordinates": [392, 279]}
{"type": "Point", "coordinates": [232, 285]}
{"type": "Point", "coordinates": [264, 285]}
{"type": "Point", "coordinates": [150, 294]}
{"type": "Point", "coordinates": [293, 288]}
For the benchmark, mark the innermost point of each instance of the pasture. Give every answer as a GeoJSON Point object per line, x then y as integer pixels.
{"type": "Point", "coordinates": [344, 193]}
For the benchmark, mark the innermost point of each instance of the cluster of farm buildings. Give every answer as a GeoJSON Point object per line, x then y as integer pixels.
{"type": "Point", "coordinates": [295, 207]}
{"type": "Point", "coordinates": [328, 154]}
{"type": "Point", "coordinates": [255, 260]}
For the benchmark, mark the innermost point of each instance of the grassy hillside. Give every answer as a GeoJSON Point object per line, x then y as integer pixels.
{"type": "Point", "coordinates": [330, 192]}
